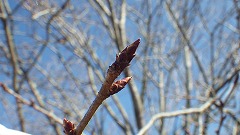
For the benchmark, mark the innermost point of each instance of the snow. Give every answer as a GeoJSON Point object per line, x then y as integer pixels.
{"type": "Point", "coordinates": [6, 131]}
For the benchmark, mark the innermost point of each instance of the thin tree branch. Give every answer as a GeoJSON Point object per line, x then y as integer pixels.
{"type": "Point", "coordinates": [108, 87]}
{"type": "Point", "coordinates": [179, 28]}
{"type": "Point", "coordinates": [199, 110]}
{"type": "Point", "coordinates": [7, 24]}
{"type": "Point", "coordinates": [56, 14]}
{"type": "Point", "coordinates": [126, 127]}
{"type": "Point", "coordinates": [41, 103]}
{"type": "Point", "coordinates": [31, 104]}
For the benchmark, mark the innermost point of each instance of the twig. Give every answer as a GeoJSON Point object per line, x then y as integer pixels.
{"type": "Point", "coordinates": [186, 40]}
{"type": "Point", "coordinates": [55, 15]}
{"type": "Point", "coordinates": [220, 107]}
{"type": "Point", "coordinates": [31, 103]}
{"type": "Point", "coordinates": [199, 110]}
{"type": "Point", "coordinates": [109, 87]}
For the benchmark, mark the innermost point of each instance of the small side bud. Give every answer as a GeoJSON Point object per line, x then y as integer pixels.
{"type": "Point", "coordinates": [119, 85]}
{"type": "Point", "coordinates": [68, 126]}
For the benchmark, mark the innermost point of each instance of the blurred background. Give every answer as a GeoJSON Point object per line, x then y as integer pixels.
{"type": "Point", "coordinates": [54, 55]}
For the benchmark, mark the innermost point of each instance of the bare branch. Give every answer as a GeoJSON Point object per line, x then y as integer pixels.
{"type": "Point", "coordinates": [122, 61]}
{"type": "Point", "coordinates": [31, 104]}
{"type": "Point", "coordinates": [199, 110]}
{"type": "Point", "coordinates": [155, 117]}
{"type": "Point", "coordinates": [179, 28]}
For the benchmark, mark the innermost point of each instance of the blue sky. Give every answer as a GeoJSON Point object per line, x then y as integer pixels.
{"type": "Point", "coordinates": [101, 42]}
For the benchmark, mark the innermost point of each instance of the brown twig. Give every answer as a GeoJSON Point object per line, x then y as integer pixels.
{"type": "Point", "coordinates": [109, 87]}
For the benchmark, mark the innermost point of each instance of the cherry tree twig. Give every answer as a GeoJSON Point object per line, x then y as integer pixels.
{"type": "Point", "coordinates": [109, 87]}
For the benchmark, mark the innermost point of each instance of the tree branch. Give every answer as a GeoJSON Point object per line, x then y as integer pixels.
{"type": "Point", "coordinates": [109, 87]}
{"type": "Point", "coordinates": [201, 109]}
{"type": "Point", "coordinates": [31, 104]}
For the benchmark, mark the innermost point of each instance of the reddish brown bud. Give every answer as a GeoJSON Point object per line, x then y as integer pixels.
{"type": "Point", "coordinates": [68, 127]}
{"type": "Point", "coordinates": [124, 58]}
{"type": "Point", "coordinates": [4, 87]}
{"type": "Point", "coordinates": [119, 85]}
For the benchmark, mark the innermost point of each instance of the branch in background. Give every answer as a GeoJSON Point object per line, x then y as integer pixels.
{"type": "Point", "coordinates": [222, 118]}
{"type": "Point", "coordinates": [158, 116]}
{"type": "Point", "coordinates": [198, 110]}
{"type": "Point", "coordinates": [109, 87]}
{"type": "Point", "coordinates": [186, 40]}
{"type": "Point", "coordinates": [31, 104]}
{"type": "Point", "coordinates": [40, 52]}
